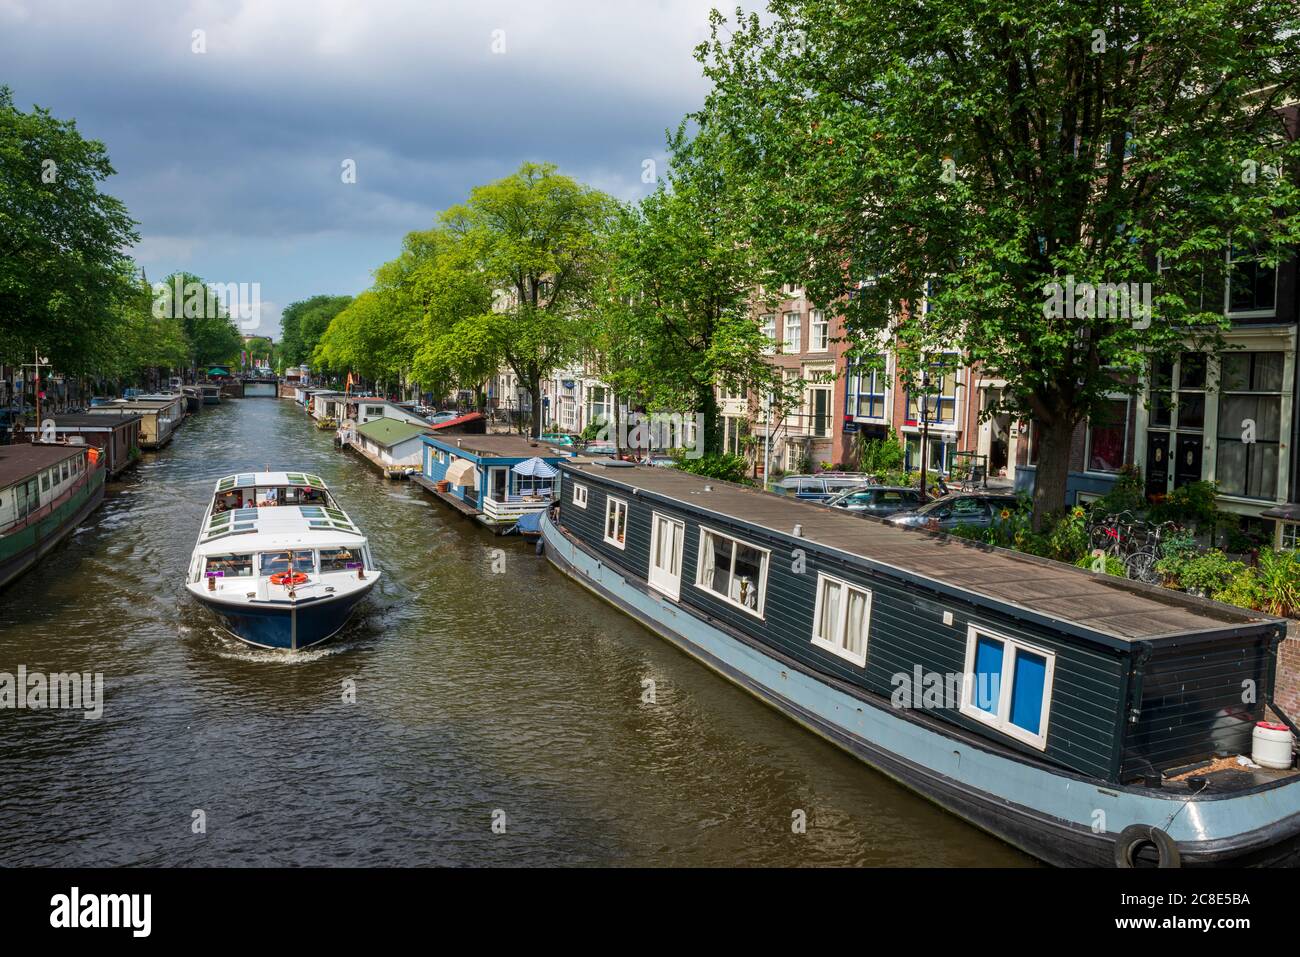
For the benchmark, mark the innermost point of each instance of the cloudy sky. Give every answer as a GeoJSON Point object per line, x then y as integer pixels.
{"type": "Point", "coordinates": [232, 159]}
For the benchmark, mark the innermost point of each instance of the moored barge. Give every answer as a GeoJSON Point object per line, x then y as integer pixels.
{"type": "Point", "coordinates": [46, 491]}
{"type": "Point", "coordinates": [1083, 718]}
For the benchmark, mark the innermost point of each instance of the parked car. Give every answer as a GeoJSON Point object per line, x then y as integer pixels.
{"type": "Point", "coordinates": [660, 461]}
{"type": "Point", "coordinates": [820, 487]}
{"type": "Point", "coordinates": [978, 510]}
{"type": "Point", "coordinates": [878, 500]}
{"type": "Point", "coordinates": [557, 438]}
{"type": "Point", "coordinates": [600, 448]}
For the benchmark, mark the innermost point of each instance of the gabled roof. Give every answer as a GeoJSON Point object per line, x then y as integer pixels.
{"type": "Point", "coordinates": [389, 432]}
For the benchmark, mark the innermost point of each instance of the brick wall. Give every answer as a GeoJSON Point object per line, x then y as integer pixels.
{"type": "Point", "coordinates": [1286, 689]}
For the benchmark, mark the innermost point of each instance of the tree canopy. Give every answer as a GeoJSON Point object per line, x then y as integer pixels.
{"type": "Point", "coordinates": [934, 180]}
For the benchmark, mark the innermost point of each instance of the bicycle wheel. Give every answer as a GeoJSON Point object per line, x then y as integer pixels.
{"type": "Point", "coordinates": [1141, 567]}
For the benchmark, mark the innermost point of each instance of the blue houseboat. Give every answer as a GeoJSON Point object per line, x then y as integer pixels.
{"type": "Point", "coordinates": [1084, 718]}
{"type": "Point", "coordinates": [496, 479]}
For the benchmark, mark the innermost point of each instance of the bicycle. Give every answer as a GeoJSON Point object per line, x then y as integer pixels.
{"type": "Point", "coordinates": [1140, 565]}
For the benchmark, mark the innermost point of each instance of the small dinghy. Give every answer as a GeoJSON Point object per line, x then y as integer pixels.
{"type": "Point", "coordinates": [278, 561]}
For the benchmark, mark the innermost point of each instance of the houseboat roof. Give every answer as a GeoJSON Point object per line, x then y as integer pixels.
{"type": "Point", "coordinates": [144, 405]}
{"type": "Point", "coordinates": [1114, 608]}
{"type": "Point", "coordinates": [97, 422]}
{"type": "Point", "coordinates": [280, 526]}
{"type": "Point", "coordinates": [497, 446]}
{"type": "Point", "coordinates": [448, 424]}
{"type": "Point", "coordinates": [266, 479]}
{"type": "Point", "coordinates": [20, 462]}
{"type": "Point", "coordinates": [389, 432]}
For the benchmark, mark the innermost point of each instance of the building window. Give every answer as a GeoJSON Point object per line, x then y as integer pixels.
{"type": "Point", "coordinates": [616, 522]}
{"type": "Point", "coordinates": [769, 330]}
{"type": "Point", "coordinates": [842, 618]}
{"type": "Point", "coordinates": [1107, 436]}
{"type": "Point", "coordinates": [939, 395]}
{"type": "Point", "coordinates": [819, 331]}
{"type": "Point", "coordinates": [1289, 535]}
{"type": "Point", "coordinates": [819, 410]}
{"type": "Point", "coordinates": [793, 327]}
{"type": "Point", "coordinates": [1008, 686]}
{"type": "Point", "coordinates": [938, 460]}
{"type": "Point", "coordinates": [866, 384]}
{"type": "Point", "coordinates": [1250, 421]}
{"type": "Point", "coordinates": [732, 570]}
{"type": "Point", "coordinates": [580, 495]}
{"type": "Point", "coordinates": [734, 428]}
{"type": "Point", "coordinates": [1252, 286]}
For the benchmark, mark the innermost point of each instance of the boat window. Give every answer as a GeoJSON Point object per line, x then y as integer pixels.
{"type": "Point", "coordinates": [339, 560]}
{"type": "Point", "coordinates": [580, 496]}
{"type": "Point", "coordinates": [45, 481]}
{"type": "Point", "coordinates": [229, 566]}
{"type": "Point", "coordinates": [616, 521]}
{"type": "Point", "coordinates": [842, 618]}
{"type": "Point", "coordinates": [63, 472]}
{"type": "Point", "coordinates": [299, 561]}
{"type": "Point", "coordinates": [1008, 685]}
{"type": "Point", "coordinates": [732, 570]}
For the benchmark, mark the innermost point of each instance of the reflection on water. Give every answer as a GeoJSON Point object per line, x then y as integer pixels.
{"type": "Point", "coordinates": [474, 692]}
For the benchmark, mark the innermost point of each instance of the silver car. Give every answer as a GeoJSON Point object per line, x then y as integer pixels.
{"type": "Point", "coordinates": [878, 500]}
{"type": "Point", "coordinates": [948, 512]}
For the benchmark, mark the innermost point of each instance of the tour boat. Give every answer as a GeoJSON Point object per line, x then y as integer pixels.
{"type": "Point", "coordinates": [278, 561]}
{"type": "Point", "coordinates": [1083, 718]}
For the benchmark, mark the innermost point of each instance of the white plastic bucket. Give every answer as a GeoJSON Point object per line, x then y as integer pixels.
{"type": "Point", "coordinates": [1270, 745]}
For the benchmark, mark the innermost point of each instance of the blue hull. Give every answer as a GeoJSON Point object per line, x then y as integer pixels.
{"type": "Point", "coordinates": [284, 627]}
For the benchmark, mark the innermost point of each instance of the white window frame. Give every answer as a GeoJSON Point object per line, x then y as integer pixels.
{"type": "Point", "coordinates": [726, 597]}
{"type": "Point", "coordinates": [817, 318]}
{"type": "Point", "coordinates": [1001, 719]}
{"type": "Point", "coordinates": [841, 631]}
{"type": "Point", "coordinates": [666, 583]}
{"type": "Point", "coordinates": [768, 327]}
{"type": "Point", "coordinates": [1087, 436]}
{"type": "Point", "coordinates": [1227, 293]}
{"type": "Point", "coordinates": [613, 504]}
{"type": "Point", "coordinates": [580, 496]}
{"type": "Point", "coordinates": [794, 345]}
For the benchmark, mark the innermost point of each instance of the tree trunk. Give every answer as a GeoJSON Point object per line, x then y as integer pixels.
{"type": "Point", "coordinates": [710, 441]}
{"type": "Point", "coordinates": [535, 390]}
{"type": "Point", "coordinates": [1054, 443]}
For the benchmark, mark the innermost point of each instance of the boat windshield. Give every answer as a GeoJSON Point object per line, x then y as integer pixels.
{"type": "Point", "coordinates": [339, 560]}
{"type": "Point", "coordinates": [229, 566]}
{"type": "Point", "coordinates": [268, 496]}
{"type": "Point", "coordinates": [273, 563]}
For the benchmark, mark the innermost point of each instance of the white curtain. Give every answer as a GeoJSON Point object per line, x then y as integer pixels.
{"type": "Point", "coordinates": [830, 618]}
{"type": "Point", "coordinates": [855, 622]}
{"type": "Point", "coordinates": [708, 560]}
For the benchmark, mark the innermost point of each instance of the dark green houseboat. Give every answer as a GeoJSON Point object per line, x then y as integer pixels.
{"type": "Point", "coordinates": [45, 492]}
{"type": "Point", "coordinates": [1086, 719]}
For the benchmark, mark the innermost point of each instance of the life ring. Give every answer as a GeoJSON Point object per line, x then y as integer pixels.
{"type": "Point", "coordinates": [288, 578]}
{"type": "Point", "coordinates": [1135, 835]}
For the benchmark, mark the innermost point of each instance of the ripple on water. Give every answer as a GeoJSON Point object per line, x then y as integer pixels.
{"type": "Point", "coordinates": [474, 692]}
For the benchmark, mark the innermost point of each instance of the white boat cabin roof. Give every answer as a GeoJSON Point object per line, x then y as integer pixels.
{"type": "Point", "coordinates": [277, 527]}
{"type": "Point", "coordinates": [270, 479]}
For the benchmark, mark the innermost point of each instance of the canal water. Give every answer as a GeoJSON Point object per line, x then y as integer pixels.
{"type": "Point", "coordinates": [480, 694]}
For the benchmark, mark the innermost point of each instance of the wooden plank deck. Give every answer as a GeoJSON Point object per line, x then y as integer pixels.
{"type": "Point", "coordinates": [1101, 603]}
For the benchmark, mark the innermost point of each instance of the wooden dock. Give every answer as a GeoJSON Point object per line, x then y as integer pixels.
{"type": "Point", "coordinates": [453, 501]}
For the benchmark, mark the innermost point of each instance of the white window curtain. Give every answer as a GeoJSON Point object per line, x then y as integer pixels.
{"type": "Point", "coordinates": [855, 636]}
{"type": "Point", "coordinates": [708, 561]}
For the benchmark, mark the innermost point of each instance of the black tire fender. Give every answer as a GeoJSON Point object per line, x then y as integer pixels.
{"type": "Point", "coordinates": [1135, 835]}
